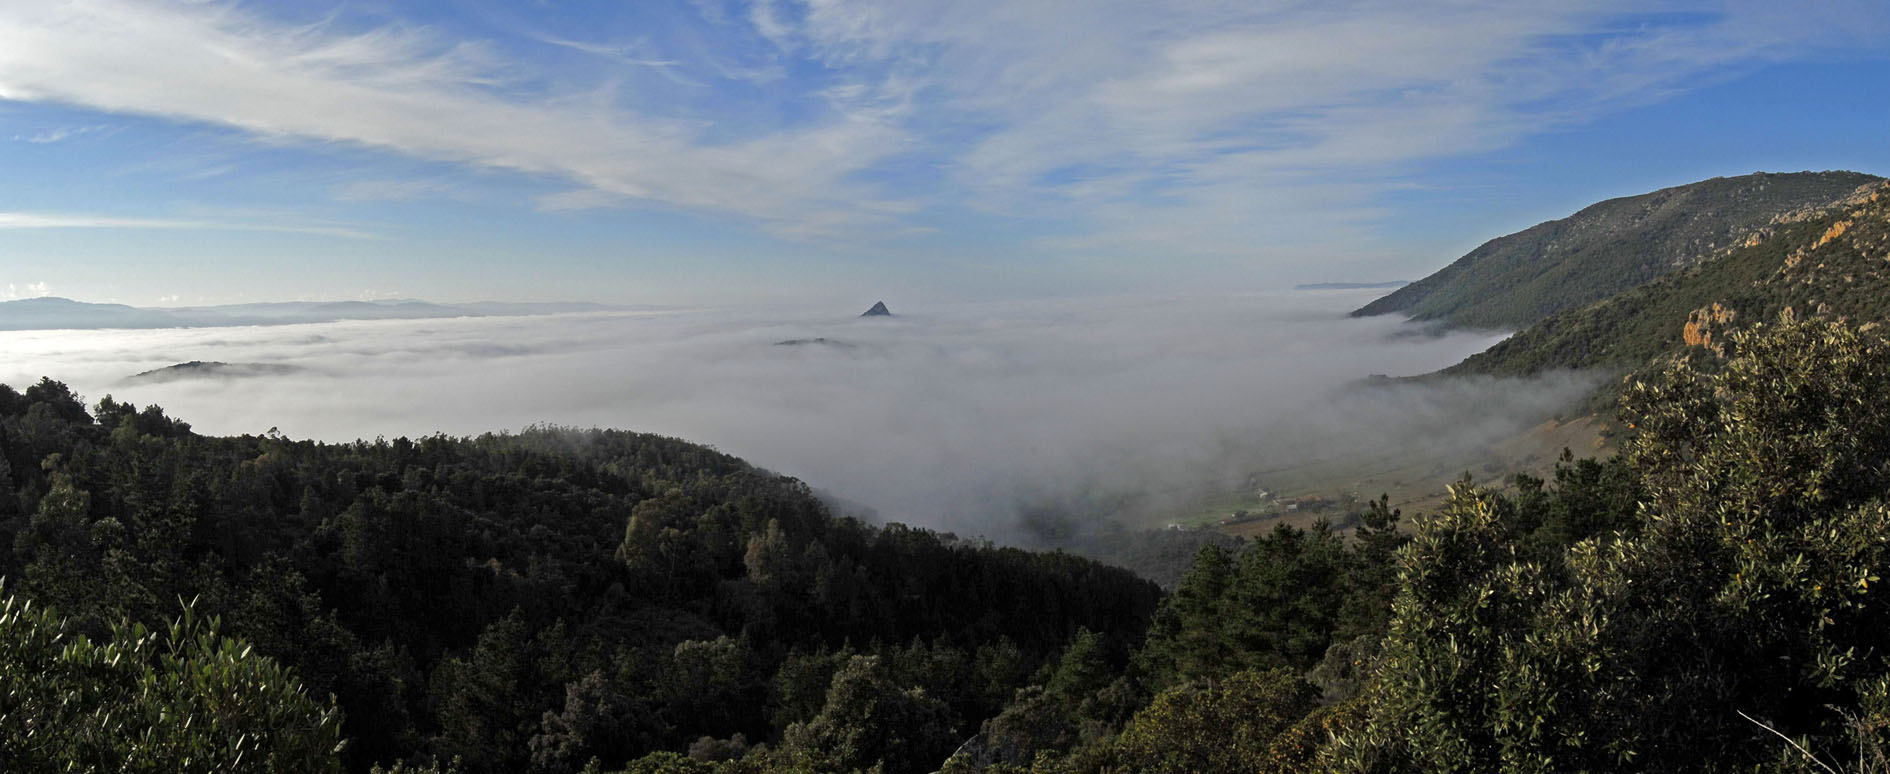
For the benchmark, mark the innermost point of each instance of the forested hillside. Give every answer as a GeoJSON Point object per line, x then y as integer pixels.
{"type": "Point", "coordinates": [1710, 599]}
{"type": "Point", "coordinates": [1834, 261]}
{"type": "Point", "coordinates": [1513, 281]}
{"type": "Point", "coordinates": [517, 602]}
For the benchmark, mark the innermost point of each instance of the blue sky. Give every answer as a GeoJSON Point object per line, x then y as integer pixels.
{"type": "Point", "coordinates": [723, 151]}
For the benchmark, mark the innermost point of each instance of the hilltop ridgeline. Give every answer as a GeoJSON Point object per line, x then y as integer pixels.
{"type": "Point", "coordinates": [1513, 281]}
{"type": "Point", "coordinates": [200, 369]}
{"type": "Point", "coordinates": [1830, 262]}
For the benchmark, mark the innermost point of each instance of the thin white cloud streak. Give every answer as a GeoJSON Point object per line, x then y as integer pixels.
{"type": "Point", "coordinates": [61, 134]}
{"type": "Point", "coordinates": [950, 418]}
{"type": "Point", "coordinates": [402, 90]}
{"type": "Point", "coordinates": [621, 55]}
{"type": "Point", "coordinates": [46, 220]}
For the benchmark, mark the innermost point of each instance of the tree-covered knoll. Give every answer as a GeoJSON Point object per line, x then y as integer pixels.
{"type": "Point", "coordinates": [530, 602]}
{"type": "Point", "coordinates": [1514, 281]}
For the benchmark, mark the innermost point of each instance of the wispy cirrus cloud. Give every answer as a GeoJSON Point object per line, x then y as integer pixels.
{"type": "Point", "coordinates": [406, 90]}
{"type": "Point", "coordinates": [60, 134]}
{"type": "Point", "coordinates": [1213, 126]}
{"type": "Point", "coordinates": [67, 220]}
{"type": "Point", "coordinates": [1192, 127]}
{"type": "Point", "coordinates": [622, 54]}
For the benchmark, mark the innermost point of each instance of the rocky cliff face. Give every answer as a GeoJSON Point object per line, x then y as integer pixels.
{"type": "Point", "coordinates": [1698, 332]}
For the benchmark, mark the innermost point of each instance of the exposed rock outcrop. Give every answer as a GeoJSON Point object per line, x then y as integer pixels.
{"type": "Point", "coordinates": [1701, 324]}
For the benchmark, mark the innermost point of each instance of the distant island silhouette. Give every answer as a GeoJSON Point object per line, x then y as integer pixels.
{"type": "Point", "coordinates": [200, 369]}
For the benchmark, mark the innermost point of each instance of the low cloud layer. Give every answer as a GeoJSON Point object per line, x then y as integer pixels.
{"type": "Point", "coordinates": [951, 418]}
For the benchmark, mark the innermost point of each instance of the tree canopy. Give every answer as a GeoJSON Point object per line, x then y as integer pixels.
{"type": "Point", "coordinates": [1709, 599]}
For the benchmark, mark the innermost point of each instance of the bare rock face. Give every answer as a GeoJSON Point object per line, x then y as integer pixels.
{"type": "Point", "coordinates": [879, 310]}
{"type": "Point", "coordinates": [1700, 326]}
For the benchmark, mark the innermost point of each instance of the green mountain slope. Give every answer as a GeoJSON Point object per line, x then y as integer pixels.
{"type": "Point", "coordinates": [1832, 262]}
{"type": "Point", "coordinates": [1516, 280]}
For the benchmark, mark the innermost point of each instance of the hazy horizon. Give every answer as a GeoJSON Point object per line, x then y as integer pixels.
{"type": "Point", "coordinates": [1081, 234]}
{"type": "Point", "coordinates": [952, 416]}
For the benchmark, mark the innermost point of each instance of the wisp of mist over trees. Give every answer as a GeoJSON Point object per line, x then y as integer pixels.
{"type": "Point", "coordinates": [947, 417]}
{"type": "Point", "coordinates": [556, 601]}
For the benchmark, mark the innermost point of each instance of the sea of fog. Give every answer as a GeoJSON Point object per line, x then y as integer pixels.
{"type": "Point", "coordinates": [952, 417]}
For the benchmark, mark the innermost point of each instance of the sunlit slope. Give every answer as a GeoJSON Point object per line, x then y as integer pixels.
{"type": "Point", "coordinates": [1513, 281]}
{"type": "Point", "coordinates": [1835, 261]}
{"type": "Point", "coordinates": [1832, 260]}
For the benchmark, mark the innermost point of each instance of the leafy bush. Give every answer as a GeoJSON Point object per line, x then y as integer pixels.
{"type": "Point", "coordinates": [183, 699]}
{"type": "Point", "coordinates": [1748, 588]}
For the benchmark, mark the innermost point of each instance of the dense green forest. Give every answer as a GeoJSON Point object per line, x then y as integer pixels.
{"type": "Point", "coordinates": [512, 602]}
{"type": "Point", "coordinates": [1708, 599]}
{"type": "Point", "coordinates": [1514, 281]}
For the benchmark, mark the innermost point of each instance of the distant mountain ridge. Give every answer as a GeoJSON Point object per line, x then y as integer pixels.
{"type": "Point", "coordinates": [1352, 285]}
{"type": "Point", "coordinates": [1513, 281]}
{"type": "Point", "coordinates": [54, 313]}
{"type": "Point", "coordinates": [1833, 262]}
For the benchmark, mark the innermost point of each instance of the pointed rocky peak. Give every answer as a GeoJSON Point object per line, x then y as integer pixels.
{"type": "Point", "coordinates": [879, 310]}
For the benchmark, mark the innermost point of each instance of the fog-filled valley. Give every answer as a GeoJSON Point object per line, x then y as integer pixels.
{"type": "Point", "coordinates": [951, 417]}
{"type": "Point", "coordinates": [944, 387]}
{"type": "Point", "coordinates": [493, 584]}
